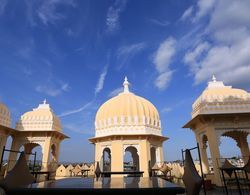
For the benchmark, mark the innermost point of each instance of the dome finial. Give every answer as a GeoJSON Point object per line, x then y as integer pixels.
{"type": "Point", "coordinates": [214, 78]}
{"type": "Point", "coordinates": [126, 85]}
{"type": "Point", "coordinates": [44, 101]}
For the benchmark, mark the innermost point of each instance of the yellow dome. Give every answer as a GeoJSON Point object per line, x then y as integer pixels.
{"type": "Point", "coordinates": [41, 118]}
{"type": "Point", "coordinates": [127, 110]}
{"type": "Point", "coordinates": [4, 115]}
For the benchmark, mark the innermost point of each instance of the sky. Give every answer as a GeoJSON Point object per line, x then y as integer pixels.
{"type": "Point", "coordinates": [76, 54]}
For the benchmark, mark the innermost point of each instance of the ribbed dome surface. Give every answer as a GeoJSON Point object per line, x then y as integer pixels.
{"type": "Point", "coordinates": [41, 118]}
{"type": "Point", "coordinates": [4, 115]}
{"type": "Point", "coordinates": [128, 105]}
{"type": "Point", "coordinates": [127, 109]}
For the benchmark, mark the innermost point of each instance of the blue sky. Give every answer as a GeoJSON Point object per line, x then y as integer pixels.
{"type": "Point", "coordinates": [76, 54]}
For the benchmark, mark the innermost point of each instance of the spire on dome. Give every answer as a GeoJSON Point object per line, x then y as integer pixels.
{"type": "Point", "coordinates": [126, 85]}
{"type": "Point", "coordinates": [45, 101]}
{"type": "Point", "coordinates": [214, 78]}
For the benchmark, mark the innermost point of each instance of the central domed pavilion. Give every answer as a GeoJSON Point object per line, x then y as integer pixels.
{"type": "Point", "coordinates": [128, 123]}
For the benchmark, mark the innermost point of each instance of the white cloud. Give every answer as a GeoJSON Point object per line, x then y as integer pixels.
{"type": "Point", "coordinates": [48, 13]}
{"type": "Point", "coordinates": [113, 15]}
{"type": "Point", "coordinates": [101, 80]}
{"type": "Point", "coordinates": [127, 52]}
{"type": "Point", "coordinates": [159, 23]}
{"type": "Point", "coordinates": [228, 32]}
{"type": "Point", "coordinates": [192, 57]}
{"type": "Point", "coordinates": [188, 12]}
{"type": "Point", "coordinates": [164, 54]}
{"type": "Point", "coordinates": [115, 92]}
{"type": "Point", "coordinates": [204, 6]}
{"type": "Point", "coordinates": [162, 81]}
{"type": "Point", "coordinates": [74, 111]}
{"type": "Point", "coordinates": [130, 49]}
{"type": "Point", "coordinates": [162, 60]}
{"type": "Point", "coordinates": [166, 110]}
{"type": "Point", "coordinates": [51, 90]}
{"type": "Point", "coordinates": [3, 4]}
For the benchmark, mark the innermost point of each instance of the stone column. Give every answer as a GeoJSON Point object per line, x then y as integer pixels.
{"type": "Point", "coordinates": [15, 146]}
{"type": "Point", "coordinates": [116, 156]}
{"type": "Point", "coordinates": [159, 151]}
{"type": "Point", "coordinates": [144, 157]}
{"type": "Point", "coordinates": [243, 145]}
{"type": "Point", "coordinates": [213, 141]}
{"type": "Point", "coordinates": [203, 152]}
{"type": "Point", "coordinates": [3, 140]}
{"type": "Point", "coordinates": [46, 153]}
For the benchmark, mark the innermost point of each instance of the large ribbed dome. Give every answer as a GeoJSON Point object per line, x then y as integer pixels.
{"type": "Point", "coordinates": [4, 115]}
{"type": "Point", "coordinates": [127, 112]}
{"type": "Point", "coordinates": [41, 118]}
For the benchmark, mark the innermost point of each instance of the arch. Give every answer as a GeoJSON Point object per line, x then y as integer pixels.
{"type": "Point", "coordinates": [131, 159]}
{"type": "Point", "coordinates": [106, 157]}
{"type": "Point", "coordinates": [36, 149]}
{"type": "Point", "coordinates": [153, 155]}
{"type": "Point", "coordinates": [228, 140]}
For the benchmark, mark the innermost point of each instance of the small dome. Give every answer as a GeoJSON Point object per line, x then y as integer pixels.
{"type": "Point", "coordinates": [41, 118]}
{"type": "Point", "coordinates": [4, 115]}
{"type": "Point", "coordinates": [127, 110]}
{"type": "Point", "coordinates": [218, 98]}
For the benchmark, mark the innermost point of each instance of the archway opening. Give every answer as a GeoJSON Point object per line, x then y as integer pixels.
{"type": "Point", "coordinates": [33, 155]}
{"type": "Point", "coordinates": [153, 156]}
{"type": "Point", "coordinates": [228, 146]}
{"type": "Point", "coordinates": [131, 159]}
{"type": "Point", "coordinates": [106, 159]}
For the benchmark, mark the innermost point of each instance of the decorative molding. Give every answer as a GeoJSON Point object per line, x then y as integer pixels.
{"type": "Point", "coordinates": [132, 130]}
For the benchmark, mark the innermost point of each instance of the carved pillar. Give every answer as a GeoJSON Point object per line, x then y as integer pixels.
{"type": "Point", "coordinates": [203, 151]}
{"type": "Point", "coordinates": [243, 145]}
{"type": "Point", "coordinates": [3, 140]}
{"type": "Point", "coordinates": [46, 153]}
{"type": "Point", "coordinates": [213, 141]}
{"type": "Point", "coordinates": [15, 146]}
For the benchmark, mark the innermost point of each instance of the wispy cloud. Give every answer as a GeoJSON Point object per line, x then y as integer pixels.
{"type": "Point", "coordinates": [48, 12]}
{"type": "Point", "coordinates": [130, 49]}
{"type": "Point", "coordinates": [187, 13]}
{"type": "Point", "coordinates": [74, 111]}
{"type": "Point", "coordinates": [127, 52]}
{"type": "Point", "coordinates": [115, 92]}
{"type": "Point", "coordinates": [52, 90]}
{"type": "Point", "coordinates": [98, 88]}
{"type": "Point", "coordinates": [159, 23]}
{"type": "Point", "coordinates": [162, 60]}
{"type": "Point", "coordinates": [113, 15]}
{"type": "Point", "coordinates": [166, 110]}
{"type": "Point", "coordinates": [204, 7]}
{"type": "Point", "coordinates": [3, 4]}
{"type": "Point", "coordinates": [101, 80]}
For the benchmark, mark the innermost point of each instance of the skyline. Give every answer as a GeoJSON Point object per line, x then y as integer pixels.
{"type": "Point", "coordinates": [75, 54]}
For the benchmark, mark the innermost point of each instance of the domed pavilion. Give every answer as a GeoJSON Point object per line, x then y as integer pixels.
{"type": "Point", "coordinates": [39, 127]}
{"type": "Point", "coordinates": [220, 111]}
{"type": "Point", "coordinates": [128, 123]}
